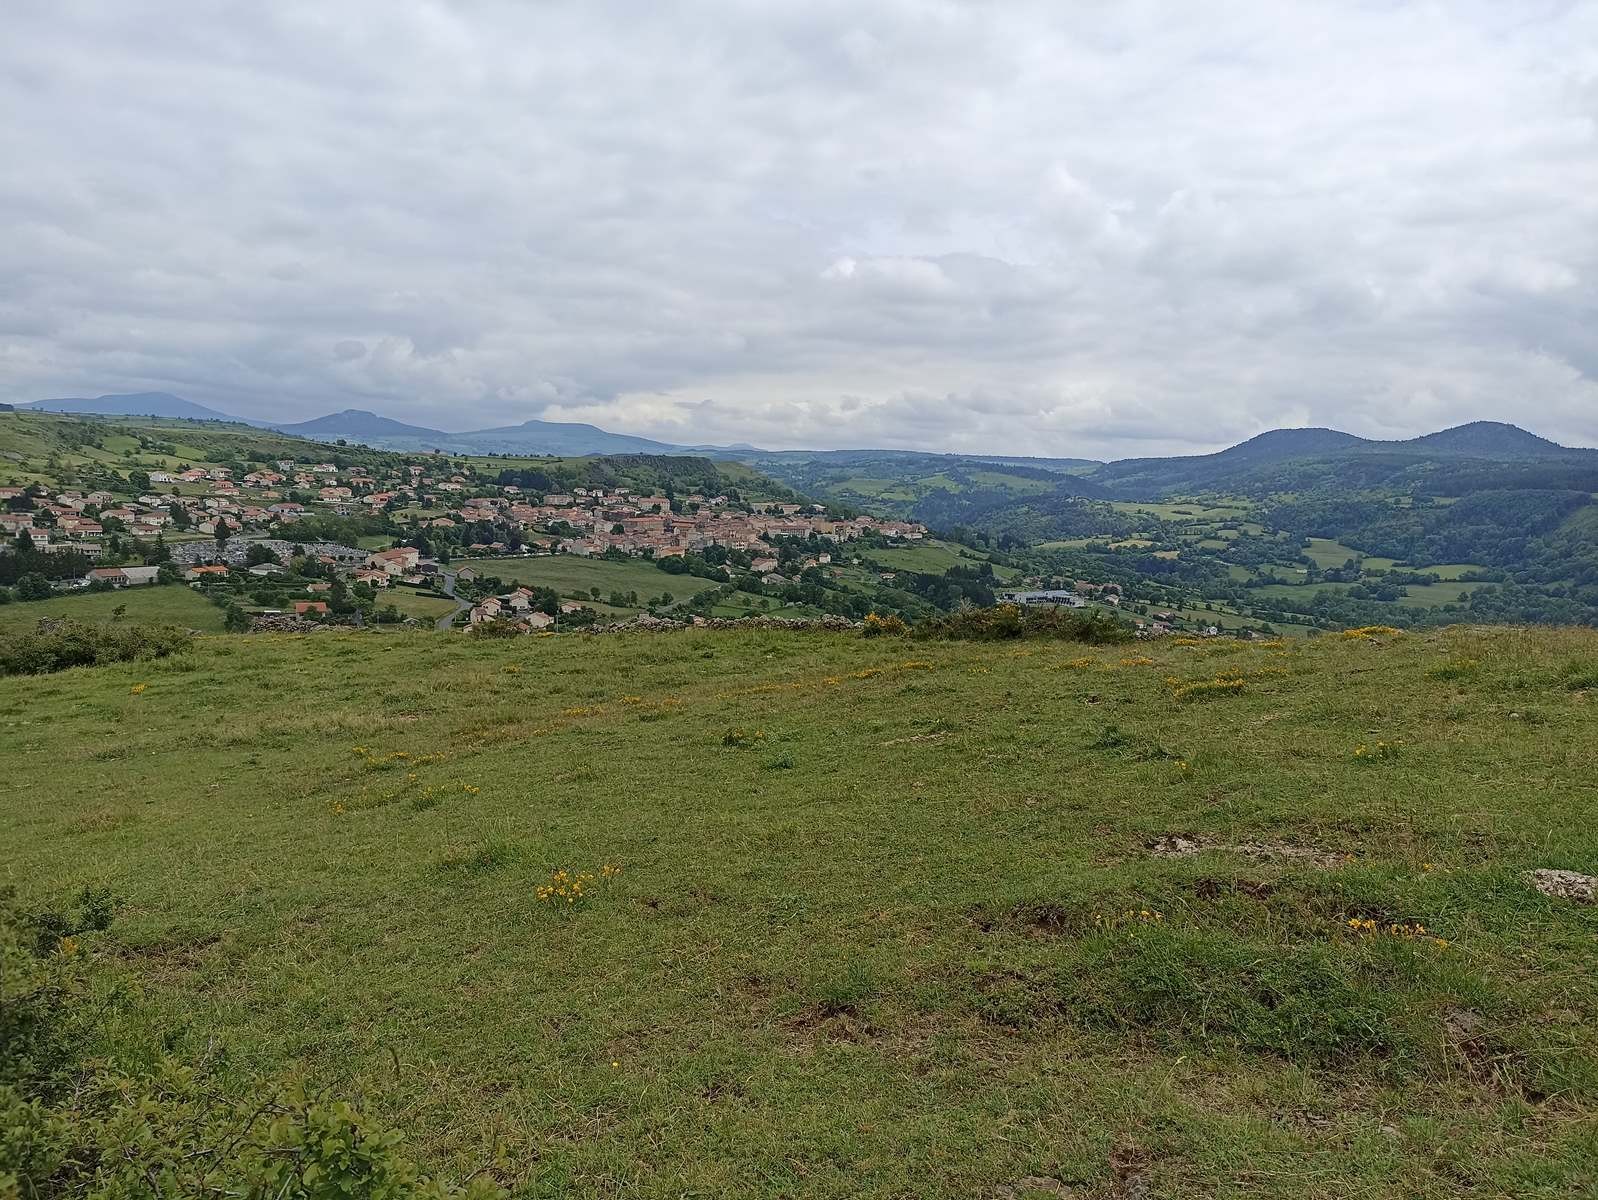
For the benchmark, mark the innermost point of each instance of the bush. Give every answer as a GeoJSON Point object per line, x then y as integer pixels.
{"type": "Point", "coordinates": [1003, 622]}
{"type": "Point", "coordinates": [57, 645]}
{"type": "Point", "coordinates": [888, 626]}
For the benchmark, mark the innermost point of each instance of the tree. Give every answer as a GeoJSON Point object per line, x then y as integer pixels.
{"type": "Point", "coordinates": [259, 553]}
{"type": "Point", "coordinates": [222, 532]}
{"type": "Point", "coordinates": [33, 587]}
{"type": "Point", "coordinates": [235, 619]}
{"type": "Point", "coordinates": [180, 517]}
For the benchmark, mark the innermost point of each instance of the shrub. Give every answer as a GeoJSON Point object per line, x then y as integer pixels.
{"type": "Point", "coordinates": [57, 645]}
{"type": "Point", "coordinates": [1004, 622]}
{"type": "Point", "coordinates": [891, 625]}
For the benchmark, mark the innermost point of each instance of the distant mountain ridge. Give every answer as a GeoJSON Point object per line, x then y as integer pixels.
{"type": "Point", "coordinates": [135, 404]}
{"type": "Point", "coordinates": [1492, 440]}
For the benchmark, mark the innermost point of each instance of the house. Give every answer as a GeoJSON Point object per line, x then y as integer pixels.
{"type": "Point", "coordinates": [371, 575]}
{"type": "Point", "coordinates": [304, 608]}
{"type": "Point", "coordinates": [466, 574]}
{"type": "Point", "coordinates": [538, 620]}
{"type": "Point", "coordinates": [122, 576]}
{"type": "Point", "coordinates": [206, 572]}
{"type": "Point", "coordinates": [396, 561]}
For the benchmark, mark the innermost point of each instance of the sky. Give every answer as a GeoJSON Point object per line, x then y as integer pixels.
{"type": "Point", "coordinates": [1077, 229]}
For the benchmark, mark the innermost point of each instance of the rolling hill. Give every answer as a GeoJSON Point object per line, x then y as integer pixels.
{"type": "Point", "coordinates": [135, 404]}
{"type": "Point", "coordinates": [884, 918]}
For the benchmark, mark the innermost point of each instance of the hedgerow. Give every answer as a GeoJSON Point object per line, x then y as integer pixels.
{"type": "Point", "coordinates": [56, 645]}
{"type": "Point", "coordinates": [1004, 622]}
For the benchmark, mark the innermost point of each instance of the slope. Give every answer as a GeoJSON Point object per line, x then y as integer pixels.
{"type": "Point", "coordinates": [892, 919]}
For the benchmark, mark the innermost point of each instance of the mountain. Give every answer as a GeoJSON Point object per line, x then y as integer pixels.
{"type": "Point", "coordinates": [1153, 475]}
{"type": "Point", "coordinates": [557, 437]}
{"type": "Point", "coordinates": [1297, 459]}
{"type": "Point", "coordinates": [1486, 439]}
{"type": "Point", "coordinates": [356, 424]}
{"type": "Point", "coordinates": [136, 404]}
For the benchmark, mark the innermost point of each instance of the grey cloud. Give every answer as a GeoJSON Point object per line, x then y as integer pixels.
{"type": "Point", "coordinates": [1032, 228]}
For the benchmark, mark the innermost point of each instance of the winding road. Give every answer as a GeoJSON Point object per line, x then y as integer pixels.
{"type": "Point", "coordinates": [448, 619]}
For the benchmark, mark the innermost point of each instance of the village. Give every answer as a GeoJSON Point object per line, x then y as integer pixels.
{"type": "Point", "coordinates": [207, 524]}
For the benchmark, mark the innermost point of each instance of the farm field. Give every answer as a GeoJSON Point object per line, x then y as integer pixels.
{"type": "Point", "coordinates": [893, 918]}
{"type": "Point", "coordinates": [415, 604]}
{"type": "Point", "coordinates": [931, 558]}
{"type": "Point", "coordinates": [571, 575]}
{"type": "Point", "coordinates": [166, 604]}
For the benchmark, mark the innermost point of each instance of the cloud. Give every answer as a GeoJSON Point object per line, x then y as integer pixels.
{"type": "Point", "coordinates": [1026, 228]}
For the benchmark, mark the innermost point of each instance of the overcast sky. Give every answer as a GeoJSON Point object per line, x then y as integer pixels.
{"type": "Point", "coordinates": [1056, 228]}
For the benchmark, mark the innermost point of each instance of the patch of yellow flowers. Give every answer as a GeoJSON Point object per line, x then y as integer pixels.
{"type": "Point", "coordinates": [1410, 931]}
{"type": "Point", "coordinates": [1378, 750]}
{"type": "Point", "coordinates": [1370, 633]}
{"type": "Point", "coordinates": [571, 887]}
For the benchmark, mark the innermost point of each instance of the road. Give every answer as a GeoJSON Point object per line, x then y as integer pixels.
{"type": "Point", "coordinates": [448, 619]}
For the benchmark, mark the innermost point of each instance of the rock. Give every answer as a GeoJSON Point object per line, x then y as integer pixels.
{"type": "Point", "coordinates": [1565, 885]}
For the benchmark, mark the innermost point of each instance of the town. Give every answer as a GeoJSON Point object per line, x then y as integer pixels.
{"type": "Point", "coordinates": [261, 535]}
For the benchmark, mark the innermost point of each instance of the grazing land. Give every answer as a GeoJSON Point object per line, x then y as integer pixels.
{"type": "Point", "coordinates": [168, 604]}
{"type": "Point", "coordinates": [573, 577]}
{"type": "Point", "coordinates": [893, 917]}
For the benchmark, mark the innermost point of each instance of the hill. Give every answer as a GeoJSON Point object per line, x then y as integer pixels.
{"type": "Point", "coordinates": [138, 404]}
{"type": "Point", "coordinates": [1291, 459]}
{"type": "Point", "coordinates": [358, 425]}
{"type": "Point", "coordinates": [558, 437]}
{"type": "Point", "coordinates": [892, 918]}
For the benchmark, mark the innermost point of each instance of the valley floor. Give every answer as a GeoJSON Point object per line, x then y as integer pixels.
{"type": "Point", "coordinates": [893, 918]}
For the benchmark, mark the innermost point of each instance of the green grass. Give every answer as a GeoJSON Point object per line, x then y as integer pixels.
{"type": "Point", "coordinates": [166, 604]}
{"type": "Point", "coordinates": [571, 575]}
{"type": "Point", "coordinates": [877, 944]}
{"type": "Point", "coordinates": [414, 604]}
{"type": "Point", "coordinates": [931, 558]}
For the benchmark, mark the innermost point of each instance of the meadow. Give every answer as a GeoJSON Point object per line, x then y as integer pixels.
{"type": "Point", "coordinates": [573, 576]}
{"type": "Point", "coordinates": [166, 604]}
{"type": "Point", "coordinates": [892, 918]}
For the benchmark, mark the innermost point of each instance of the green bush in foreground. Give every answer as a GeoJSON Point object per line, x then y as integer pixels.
{"type": "Point", "coordinates": [70, 1126]}
{"type": "Point", "coordinates": [57, 645]}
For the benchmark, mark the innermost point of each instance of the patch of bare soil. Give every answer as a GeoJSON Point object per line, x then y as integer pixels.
{"type": "Point", "coordinates": [1174, 845]}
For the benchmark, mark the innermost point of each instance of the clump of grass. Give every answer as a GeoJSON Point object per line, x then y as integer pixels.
{"type": "Point", "coordinates": [783, 762]}
{"type": "Point", "coordinates": [1307, 1003]}
{"type": "Point", "coordinates": [1460, 668]}
{"type": "Point", "coordinates": [743, 738]}
{"type": "Point", "coordinates": [1207, 689]}
{"type": "Point", "coordinates": [480, 858]}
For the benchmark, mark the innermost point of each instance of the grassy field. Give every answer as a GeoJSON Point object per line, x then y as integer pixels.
{"type": "Point", "coordinates": [415, 604]}
{"type": "Point", "coordinates": [571, 575]}
{"type": "Point", "coordinates": [888, 921]}
{"type": "Point", "coordinates": [168, 604]}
